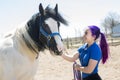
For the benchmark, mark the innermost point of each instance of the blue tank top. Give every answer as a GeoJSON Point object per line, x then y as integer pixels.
{"type": "Point", "coordinates": [86, 53]}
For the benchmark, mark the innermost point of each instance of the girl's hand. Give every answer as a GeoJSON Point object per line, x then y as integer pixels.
{"type": "Point", "coordinates": [65, 51]}
{"type": "Point", "coordinates": [77, 67]}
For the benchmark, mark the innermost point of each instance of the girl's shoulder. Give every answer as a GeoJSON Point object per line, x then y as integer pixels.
{"type": "Point", "coordinates": [81, 48]}
{"type": "Point", "coordinates": [95, 47]}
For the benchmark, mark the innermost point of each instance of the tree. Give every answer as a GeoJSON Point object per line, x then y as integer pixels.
{"type": "Point", "coordinates": [110, 21]}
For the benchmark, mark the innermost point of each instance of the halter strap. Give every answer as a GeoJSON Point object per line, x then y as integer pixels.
{"type": "Point", "coordinates": [49, 36]}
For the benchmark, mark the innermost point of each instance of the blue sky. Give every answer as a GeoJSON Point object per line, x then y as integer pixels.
{"type": "Point", "coordinates": [79, 13]}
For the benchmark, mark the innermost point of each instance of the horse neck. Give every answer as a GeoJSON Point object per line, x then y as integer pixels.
{"type": "Point", "coordinates": [22, 45]}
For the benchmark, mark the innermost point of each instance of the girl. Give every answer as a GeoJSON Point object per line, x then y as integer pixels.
{"type": "Point", "coordinates": [90, 54]}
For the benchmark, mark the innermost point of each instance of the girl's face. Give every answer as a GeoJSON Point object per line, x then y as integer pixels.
{"type": "Point", "coordinates": [88, 37]}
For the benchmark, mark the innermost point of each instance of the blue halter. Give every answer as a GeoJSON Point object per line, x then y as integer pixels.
{"type": "Point", "coordinates": [49, 36]}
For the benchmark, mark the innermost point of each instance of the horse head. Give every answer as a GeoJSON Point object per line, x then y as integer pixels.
{"type": "Point", "coordinates": [43, 28]}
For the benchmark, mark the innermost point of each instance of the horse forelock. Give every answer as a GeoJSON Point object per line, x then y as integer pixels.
{"type": "Point", "coordinates": [49, 12]}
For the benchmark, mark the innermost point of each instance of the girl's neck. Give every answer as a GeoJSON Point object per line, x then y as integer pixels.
{"type": "Point", "coordinates": [90, 43]}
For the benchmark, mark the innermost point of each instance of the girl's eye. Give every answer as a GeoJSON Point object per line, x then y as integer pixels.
{"type": "Point", "coordinates": [86, 32]}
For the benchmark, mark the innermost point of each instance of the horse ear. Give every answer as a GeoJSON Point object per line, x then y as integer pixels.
{"type": "Point", "coordinates": [41, 10]}
{"type": "Point", "coordinates": [56, 9]}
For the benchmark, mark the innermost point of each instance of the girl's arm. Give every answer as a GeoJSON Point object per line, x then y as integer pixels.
{"type": "Point", "coordinates": [70, 58]}
{"type": "Point", "coordinates": [88, 69]}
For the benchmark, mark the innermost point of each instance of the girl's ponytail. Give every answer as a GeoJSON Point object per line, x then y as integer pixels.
{"type": "Point", "coordinates": [104, 48]}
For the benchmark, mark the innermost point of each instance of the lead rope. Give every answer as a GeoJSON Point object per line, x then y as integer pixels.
{"type": "Point", "coordinates": [76, 73]}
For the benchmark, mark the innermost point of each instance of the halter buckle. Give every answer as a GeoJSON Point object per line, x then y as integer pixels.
{"type": "Point", "coordinates": [48, 37]}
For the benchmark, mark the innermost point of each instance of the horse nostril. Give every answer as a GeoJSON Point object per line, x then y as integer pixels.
{"type": "Point", "coordinates": [59, 48]}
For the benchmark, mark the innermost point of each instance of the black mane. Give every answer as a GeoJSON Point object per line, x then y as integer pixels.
{"type": "Point", "coordinates": [33, 30]}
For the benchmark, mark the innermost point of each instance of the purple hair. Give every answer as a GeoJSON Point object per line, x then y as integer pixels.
{"type": "Point", "coordinates": [103, 43]}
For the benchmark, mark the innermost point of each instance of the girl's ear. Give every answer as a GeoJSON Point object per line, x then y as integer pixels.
{"type": "Point", "coordinates": [94, 37]}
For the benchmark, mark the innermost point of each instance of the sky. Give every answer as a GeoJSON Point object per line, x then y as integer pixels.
{"type": "Point", "coordinates": [79, 13]}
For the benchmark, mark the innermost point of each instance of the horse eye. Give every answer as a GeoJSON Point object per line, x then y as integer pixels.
{"type": "Point", "coordinates": [45, 25]}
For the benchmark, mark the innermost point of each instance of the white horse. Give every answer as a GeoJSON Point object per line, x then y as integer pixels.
{"type": "Point", "coordinates": [19, 50]}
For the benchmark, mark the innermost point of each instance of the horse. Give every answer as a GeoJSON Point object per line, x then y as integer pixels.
{"type": "Point", "coordinates": [19, 50]}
